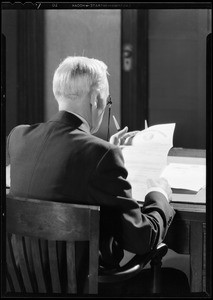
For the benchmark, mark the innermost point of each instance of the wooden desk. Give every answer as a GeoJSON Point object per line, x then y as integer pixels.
{"type": "Point", "coordinates": [187, 233]}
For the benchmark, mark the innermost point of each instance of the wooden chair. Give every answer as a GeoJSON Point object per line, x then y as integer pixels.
{"type": "Point", "coordinates": [32, 222]}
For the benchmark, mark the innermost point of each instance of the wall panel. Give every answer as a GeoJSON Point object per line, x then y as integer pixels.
{"type": "Point", "coordinates": [93, 33]}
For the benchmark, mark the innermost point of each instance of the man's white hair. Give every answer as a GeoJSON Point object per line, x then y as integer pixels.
{"type": "Point", "coordinates": [77, 75]}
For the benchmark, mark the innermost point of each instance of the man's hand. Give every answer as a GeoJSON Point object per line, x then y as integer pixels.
{"type": "Point", "coordinates": [162, 183]}
{"type": "Point", "coordinates": [122, 137]}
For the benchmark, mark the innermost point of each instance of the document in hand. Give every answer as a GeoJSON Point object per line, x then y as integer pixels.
{"type": "Point", "coordinates": [146, 157]}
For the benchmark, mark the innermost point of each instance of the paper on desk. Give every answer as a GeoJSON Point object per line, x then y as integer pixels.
{"type": "Point", "coordinates": [185, 176]}
{"type": "Point", "coordinates": [147, 156]}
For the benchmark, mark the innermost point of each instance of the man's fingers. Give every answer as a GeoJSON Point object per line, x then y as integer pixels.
{"type": "Point", "coordinates": [128, 137]}
{"type": "Point", "coordinates": [150, 183]}
{"type": "Point", "coordinates": [116, 138]}
{"type": "Point", "coordinates": [164, 180]}
{"type": "Point", "coordinates": [123, 137]}
{"type": "Point", "coordinates": [122, 132]}
{"type": "Point", "coordinates": [130, 134]}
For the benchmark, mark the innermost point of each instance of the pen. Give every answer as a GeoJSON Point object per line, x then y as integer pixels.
{"type": "Point", "coordinates": [116, 123]}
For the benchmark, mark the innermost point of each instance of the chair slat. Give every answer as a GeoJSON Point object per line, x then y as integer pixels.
{"type": "Point", "coordinates": [37, 262]}
{"type": "Point", "coordinates": [9, 283]}
{"type": "Point", "coordinates": [71, 268]}
{"type": "Point", "coordinates": [8, 289]}
{"type": "Point", "coordinates": [54, 269]}
{"type": "Point", "coordinates": [30, 263]}
{"type": "Point", "coordinates": [23, 262]}
{"type": "Point", "coordinates": [11, 266]}
{"type": "Point", "coordinates": [94, 248]}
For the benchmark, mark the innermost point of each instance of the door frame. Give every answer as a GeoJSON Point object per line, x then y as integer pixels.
{"type": "Point", "coordinates": [134, 68]}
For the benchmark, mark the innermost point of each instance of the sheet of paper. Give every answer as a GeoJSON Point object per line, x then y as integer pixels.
{"type": "Point", "coordinates": [185, 176]}
{"type": "Point", "coordinates": [147, 156]}
{"type": "Point", "coordinates": [196, 198]}
{"type": "Point", "coordinates": [155, 135]}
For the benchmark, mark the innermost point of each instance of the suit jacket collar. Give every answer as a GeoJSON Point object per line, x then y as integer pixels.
{"type": "Point", "coordinates": [71, 120]}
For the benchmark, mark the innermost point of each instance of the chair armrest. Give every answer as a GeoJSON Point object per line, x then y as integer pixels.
{"type": "Point", "coordinates": [133, 267]}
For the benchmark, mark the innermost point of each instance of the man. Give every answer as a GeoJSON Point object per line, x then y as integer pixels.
{"type": "Point", "coordinates": [61, 160]}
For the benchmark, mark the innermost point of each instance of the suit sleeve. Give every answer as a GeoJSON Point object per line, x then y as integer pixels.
{"type": "Point", "coordinates": [137, 230]}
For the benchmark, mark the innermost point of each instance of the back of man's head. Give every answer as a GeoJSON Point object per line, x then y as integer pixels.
{"type": "Point", "coordinates": [76, 76]}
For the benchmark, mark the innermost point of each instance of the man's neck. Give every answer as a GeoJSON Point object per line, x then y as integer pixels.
{"type": "Point", "coordinates": [80, 117]}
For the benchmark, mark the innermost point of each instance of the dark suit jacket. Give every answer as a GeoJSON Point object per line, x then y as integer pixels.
{"type": "Point", "coordinates": [59, 160]}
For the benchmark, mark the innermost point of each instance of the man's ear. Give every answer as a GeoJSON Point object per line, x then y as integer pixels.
{"type": "Point", "coordinates": [94, 98]}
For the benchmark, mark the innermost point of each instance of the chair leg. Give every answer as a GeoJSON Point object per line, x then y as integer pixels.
{"type": "Point", "coordinates": [156, 275]}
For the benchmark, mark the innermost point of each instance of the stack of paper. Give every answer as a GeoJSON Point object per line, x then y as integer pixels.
{"type": "Point", "coordinates": [185, 176]}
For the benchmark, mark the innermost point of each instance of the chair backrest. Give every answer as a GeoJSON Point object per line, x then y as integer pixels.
{"type": "Point", "coordinates": [32, 222]}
